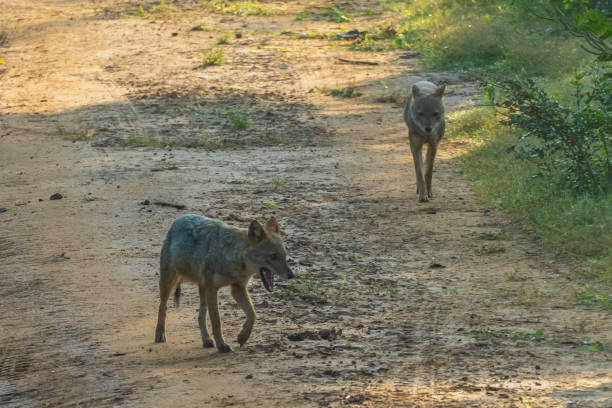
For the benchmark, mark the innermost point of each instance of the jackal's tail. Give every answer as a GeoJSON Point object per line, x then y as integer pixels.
{"type": "Point", "coordinates": [177, 295]}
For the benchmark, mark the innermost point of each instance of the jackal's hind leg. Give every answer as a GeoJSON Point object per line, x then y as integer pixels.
{"type": "Point", "coordinates": [215, 320]}
{"type": "Point", "coordinates": [165, 289]}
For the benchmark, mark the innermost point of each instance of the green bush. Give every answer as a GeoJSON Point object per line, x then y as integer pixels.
{"type": "Point", "coordinates": [576, 226]}
{"type": "Point", "coordinates": [574, 141]}
{"type": "Point", "coordinates": [212, 57]}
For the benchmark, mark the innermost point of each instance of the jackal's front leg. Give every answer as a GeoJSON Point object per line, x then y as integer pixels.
{"type": "Point", "coordinates": [206, 340]}
{"type": "Point", "coordinates": [417, 157]}
{"type": "Point", "coordinates": [213, 312]}
{"type": "Point", "coordinates": [429, 163]}
{"type": "Point", "coordinates": [241, 295]}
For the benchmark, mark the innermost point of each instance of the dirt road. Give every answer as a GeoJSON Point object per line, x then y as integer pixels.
{"type": "Point", "coordinates": [439, 304]}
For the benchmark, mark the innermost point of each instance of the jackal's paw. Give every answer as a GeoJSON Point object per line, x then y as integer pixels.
{"type": "Point", "coordinates": [242, 338]}
{"type": "Point", "coordinates": [208, 343]}
{"type": "Point", "coordinates": [224, 348]}
{"type": "Point", "coordinates": [160, 336]}
{"type": "Point", "coordinates": [423, 199]}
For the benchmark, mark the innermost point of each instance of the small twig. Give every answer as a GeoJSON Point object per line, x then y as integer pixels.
{"type": "Point", "coordinates": [357, 62]}
{"type": "Point", "coordinates": [165, 204]}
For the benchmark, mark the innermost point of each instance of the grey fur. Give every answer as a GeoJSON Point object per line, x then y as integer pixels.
{"type": "Point", "coordinates": [424, 116]}
{"type": "Point", "coordinates": [213, 254]}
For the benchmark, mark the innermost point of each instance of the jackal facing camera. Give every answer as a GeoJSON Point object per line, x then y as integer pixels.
{"type": "Point", "coordinates": [424, 116]}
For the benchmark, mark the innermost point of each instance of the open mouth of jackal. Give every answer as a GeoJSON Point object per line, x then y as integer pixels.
{"type": "Point", "coordinates": [267, 278]}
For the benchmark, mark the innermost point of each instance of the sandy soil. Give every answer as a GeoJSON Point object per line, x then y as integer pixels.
{"type": "Point", "coordinates": [397, 303]}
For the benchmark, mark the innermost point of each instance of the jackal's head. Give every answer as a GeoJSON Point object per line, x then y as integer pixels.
{"type": "Point", "coordinates": [266, 253]}
{"type": "Point", "coordinates": [427, 108]}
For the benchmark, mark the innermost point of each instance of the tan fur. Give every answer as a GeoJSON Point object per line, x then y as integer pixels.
{"type": "Point", "coordinates": [424, 116]}
{"type": "Point", "coordinates": [212, 255]}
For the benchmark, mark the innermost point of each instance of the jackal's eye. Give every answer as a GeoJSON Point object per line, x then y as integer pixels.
{"type": "Point", "coordinates": [420, 114]}
{"type": "Point", "coordinates": [274, 257]}
{"type": "Point", "coordinates": [436, 114]}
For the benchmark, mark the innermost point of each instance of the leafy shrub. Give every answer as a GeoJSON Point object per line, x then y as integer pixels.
{"type": "Point", "coordinates": [368, 43]}
{"type": "Point", "coordinates": [238, 118]}
{"type": "Point", "coordinates": [575, 140]}
{"type": "Point", "coordinates": [212, 57]}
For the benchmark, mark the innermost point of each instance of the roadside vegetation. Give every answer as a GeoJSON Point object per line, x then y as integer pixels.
{"type": "Point", "coordinates": [542, 134]}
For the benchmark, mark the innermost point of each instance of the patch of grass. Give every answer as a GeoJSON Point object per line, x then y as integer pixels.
{"type": "Point", "coordinates": [515, 275]}
{"type": "Point", "coordinates": [348, 92]}
{"type": "Point", "coordinates": [212, 57]}
{"type": "Point", "coordinates": [470, 35]}
{"type": "Point", "coordinates": [273, 205]}
{"type": "Point", "coordinates": [224, 39]}
{"type": "Point", "coordinates": [576, 226]}
{"type": "Point", "coordinates": [241, 8]}
{"type": "Point", "coordinates": [491, 235]}
{"type": "Point", "coordinates": [162, 6]}
{"type": "Point", "coordinates": [594, 299]}
{"type": "Point", "coordinates": [274, 48]}
{"type": "Point", "coordinates": [474, 125]}
{"type": "Point", "coordinates": [142, 140]}
{"type": "Point", "coordinates": [159, 8]}
{"type": "Point", "coordinates": [238, 118]}
{"type": "Point", "coordinates": [491, 249]}
{"type": "Point", "coordinates": [600, 347]}
{"type": "Point", "coordinates": [277, 182]}
{"type": "Point", "coordinates": [336, 14]}
{"type": "Point", "coordinates": [201, 27]}
{"type": "Point", "coordinates": [344, 92]}
{"type": "Point", "coordinates": [369, 44]}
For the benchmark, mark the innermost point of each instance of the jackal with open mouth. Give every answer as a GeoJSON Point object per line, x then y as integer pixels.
{"type": "Point", "coordinates": [212, 255]}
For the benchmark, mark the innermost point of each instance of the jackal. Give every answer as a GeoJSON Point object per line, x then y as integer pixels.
{"type": "Point", "coordinates": [213, 254]}
{"type": "Point", "coordinates": [424, 115]}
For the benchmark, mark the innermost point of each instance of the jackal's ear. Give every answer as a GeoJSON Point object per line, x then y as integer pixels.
{"type": "Point", "coordinates": [272, 226]}
{"type": "Point", "coordinates": [439, 92]}
{"type": "Point", "coordinates": [416, 92]}
{"type": "Point", "coordinates": [256, 232]}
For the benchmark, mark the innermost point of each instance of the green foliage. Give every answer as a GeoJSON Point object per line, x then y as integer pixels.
{"type": "Point", "coordinates": [142, 140]}
{"type": "Point", "coordinates": [576, 226]}
{"type": "Point", "coordinates": [493, 35]}
{"type": "Point", "coordinates": [224, 39]}
{"type": "Point", "coordinates": [238, 118]}
{"type": "Point", "coordinates": [240, 8]}
{"type": "Point", "coordinates": [273, 205]}
{"type": "Point", "coordinates": [337, 14]}
{"type": "Point", "coordinates": [212, 57]}
{"type": "Point", "coordinates": [368, 43]}
{"type": "Point", "coordinates": [574, 141]}
{"type": "Point", "coordinates": [159, 8]}
{"type": "Point", "coordinates": [344, 92]}
{"type": "Point", "coordinates": [162, 6]}
{"type": "Point", "coordinates": [600, 347]}
{"type": "Point", "coordinates": [594, 299]}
